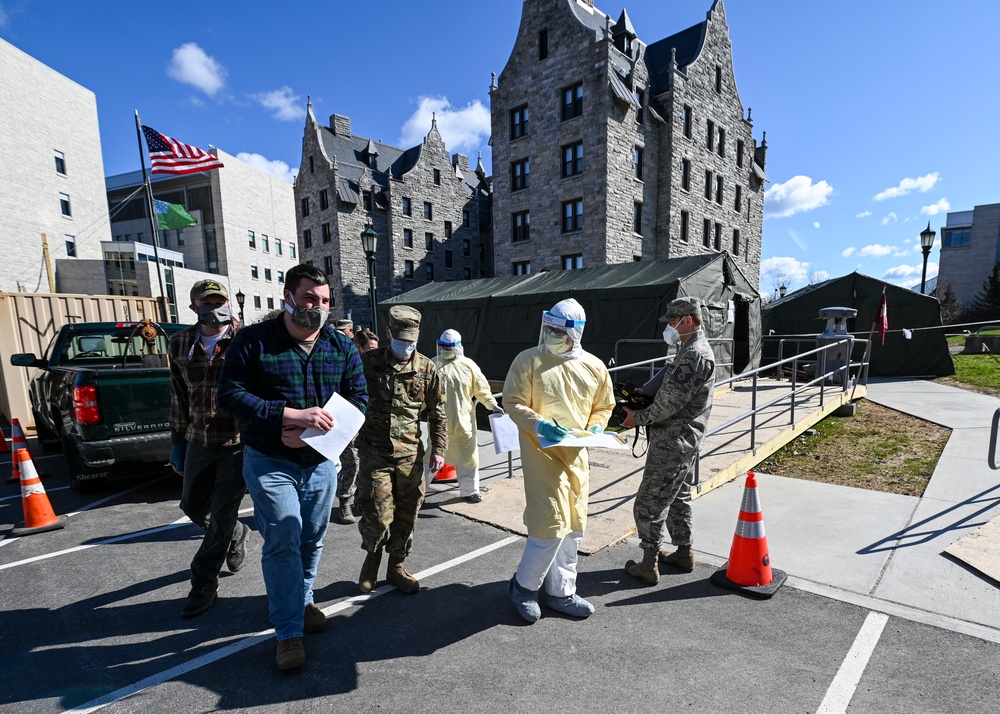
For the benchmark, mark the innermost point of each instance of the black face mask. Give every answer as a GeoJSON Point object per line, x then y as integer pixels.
{"type": "Point", "coordinates": [214, 315]}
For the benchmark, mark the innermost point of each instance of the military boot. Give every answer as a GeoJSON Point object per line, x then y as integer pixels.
{"type": "Point", "coordinates": [682, 558]}
{"type": "Point", "coordinates": [648, 571]}
{"type": "Point", "coordinates": [397, 575]}
{"type": "Point", "coordinates": [344, 514]}
{"type": "Point", "coordinates": [369, 571]}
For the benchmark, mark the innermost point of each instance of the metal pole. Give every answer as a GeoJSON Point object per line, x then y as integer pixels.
{"type": "Point", "coordinates": [371, 292]}
{"type": "Point", "coordinates": [164, 314]}
{"type": "Point", "coordinates": [923, 276]}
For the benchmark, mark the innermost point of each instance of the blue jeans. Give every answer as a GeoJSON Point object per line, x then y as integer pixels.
{"type": "Point", "coordinates": [292, 508]}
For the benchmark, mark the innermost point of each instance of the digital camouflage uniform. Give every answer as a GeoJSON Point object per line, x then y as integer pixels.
{"type": "Point", "coordinates": [390, 483]}
{"type": "Point", "coordinates": [676, 422]}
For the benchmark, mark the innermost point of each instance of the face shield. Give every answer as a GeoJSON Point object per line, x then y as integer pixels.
{"type": "Point", "coordinates": [449, 345]}
{"type": "Point", "coordinates": [562, 329]}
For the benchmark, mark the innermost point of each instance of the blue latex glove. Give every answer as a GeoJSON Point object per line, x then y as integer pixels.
{"type": "Point", "coordinates": [552, 432]}
{"type": "Point", "coordinates": [595, 429]}
{"type": "Point", "coordinates": [177, 454]}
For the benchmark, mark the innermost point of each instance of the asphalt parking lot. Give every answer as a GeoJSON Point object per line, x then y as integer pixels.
{"type": "Point", "coordinates": [91, 622]}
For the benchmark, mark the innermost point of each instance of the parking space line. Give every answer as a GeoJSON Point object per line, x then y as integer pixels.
{"type": "Point", "coordinates": [838, 696]}
{"type": "Point", "coordinates": [18, 494]}
{"type": "Point", "coordinates": [258, 637]}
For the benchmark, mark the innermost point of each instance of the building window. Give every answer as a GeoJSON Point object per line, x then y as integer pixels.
{"type": "Point", "coordinates": [718, 189]}
{"type": "Point", "coordinates": [64, 205]}
{"type": "Point", "coordinates": [687, 121]}
{"type": "Point", "coordinates": [543, 44]}
{"type": "Point", "coordinates": [736, 241]}
{"type": "Point", "coordinates": [60, 163]}
{"type": "Point", "coordinates": [640, 97]}
{"type": "Point", "coordinates": [518, 122]}
{"type": "Point", "coordinates": [572, 159]}
{"type": "Point", "coordinates": [467, 273]}
{"type": "Point", "coordinates": [253, 271]}
{"type": "Point", "coordinates": [428, 211]}
{"type": "Point", "coordinates": [718, 79]}
{"type": "Point", "coordinates": [685, 220]}
{"type": "Point", "coordinates": [637, 218]}
{"type": "Point", "coordinates": [960, 238]}
{"type": "Point", "coordinates": [328, 264]}
{"type": "Point", "coordinates": [738, 203]}
{"type": "Point", "coordinates": [706, 233]}
{"type": "Point", "coordinates": [373, 162]}
{"type": "Point", "coordinates": [281, 277]}
{"type": "Point", "coordinates": [710, 135]}
{"type": "Point", "coordinates": [267, 273]}
{"type": "Point", "coordinates": [180, 238]}
{"type": "Point", "coordinates": [447, 230]}
{"type": "Point", "coordinates": [305, 206]}
{"type": "Point", "coordinates": [521, 267]}
{"type": "Point", "coordinates": [466, 247]}
{"type": "Point", "coordinates": [277, 246]}
{"type": "Point", "coordinates": [312, 165]}
{"type": "Point", "coordinates": [739, 153]}
{"type": "Point", "coordinates": [270, 302]}
{"type": "Point", "coordinates": [407, 208]}
{"type": "Point", "coordinates": [519, 173]}
{"type": "Point", "coordinates": [520, 226]}
{"type": "Point", "coordinates": [407, 268]}
{"type": "Point", "coordinates": [708, 185]}
{"type": "Point", "coordinates": [307, 241]}
{"type": "Point", "coordinates": [722, 142]}
{"type": "Point", "coordinates": [718, 237]}
{"type": "Point", "coordinates": [366, 200]}
{"type": "Point", "coordinates": [252, 240]}
{"type": "Point", "coordinates": [437, 177]}
{"type": "Point", "coordinates": [429, 241]}
{"type": "Point", "coordinates": [572, 262]}
{"type": "Point", "coordinates": [686, 174]}
{"type": "Point", "coordinates": [572, 101]}
{"type": "Point", "coordinates": [429, 272]}
{"type": "Point", "coordinates": [256, 301]}
{"type": "Point", "coordinates": [466, 219]}
{"type": "Point", "coordinates": [449, 259]}
{"type": "Point", "coordinates": [637, 162]}
{"type": "Point", "coordinates": [327, 233]}
{"type": "Point", "coordinates": [482, 251]}
{"type": "Point", "coordinates": [70, 246]}
{"type": "Point", "coordinates": [324, 200]}
{"type": "Point", "coordinates": [572, 212]}
{"type": "Point", "coordinates": [265, 243]}
{"type": "Point", "coordinates": [407, 238]}
{"type": "Point", "coordinates": [291, 249]}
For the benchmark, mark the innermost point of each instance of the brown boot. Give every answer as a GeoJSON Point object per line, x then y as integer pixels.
{"type": "Point", "coordinates": [397, 575]}
{"type": "Point", "coordinates": [369, 571]}
{"type": "Point", "coordinates": [290, 654]}
{"type": "Point", "coordinates": [682, 558]}
{"type": "Point", "coordinates": [648, 571]}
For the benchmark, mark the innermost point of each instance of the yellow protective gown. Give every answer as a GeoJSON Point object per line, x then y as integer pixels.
{"type": "Point", "coordinates": [576, 393]}
{"type": "Point", "coordinates": [463, 381]}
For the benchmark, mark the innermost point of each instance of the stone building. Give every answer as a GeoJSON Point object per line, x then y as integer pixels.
{"type": "Point", "coordinates": [970, 247]}
{"type": "Point", "coordinates": [430, 210]}
{"type": "Point", "coordinates": [607, 149]}
{"type": "Point", "coordinates": [52, 175]}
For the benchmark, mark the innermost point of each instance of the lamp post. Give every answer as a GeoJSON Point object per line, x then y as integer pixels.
{"type": "Point", "coordinates": [782, 290]}
{"type": "Point", "coordinates": [369, 240]}
{"type": "Point", "coordinates": [926, 243]}
{"type": "Point", "coordinates": [240, 299]}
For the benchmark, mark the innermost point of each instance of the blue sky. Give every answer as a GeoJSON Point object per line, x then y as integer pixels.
{"type": "Point", "coordinates": [879, 115]}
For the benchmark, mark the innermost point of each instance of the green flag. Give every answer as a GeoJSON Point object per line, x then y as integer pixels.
{"type": "Point", "coordinates": [170, 216]}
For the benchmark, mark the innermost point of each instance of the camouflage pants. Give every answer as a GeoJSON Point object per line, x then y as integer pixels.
{"type": "Point", "coordinates": [348, 472]}
{"type": "Point", "coordinates": [389, 495]}
{"type": "Point", "coordinates": [664, 497]}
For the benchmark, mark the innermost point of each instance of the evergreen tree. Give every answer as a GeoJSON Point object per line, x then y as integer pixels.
{"type": "Point", "coordinates": [987, 302]}
{"type": "Point", "coordinates": [949, 305]}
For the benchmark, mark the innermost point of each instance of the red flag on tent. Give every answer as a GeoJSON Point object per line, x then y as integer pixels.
{"type": "Point", "coordinates": [883, 319]}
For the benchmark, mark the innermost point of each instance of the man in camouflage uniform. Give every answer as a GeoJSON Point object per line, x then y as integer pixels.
{"type": "Point", "coordinates": [348, 465]}
{"type": "Point", "coordinates": [402, 385]}
{"type": "Point", "coordinates": [676, 422]}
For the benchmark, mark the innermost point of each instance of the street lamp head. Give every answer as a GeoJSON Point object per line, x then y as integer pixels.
{"type": "Point", "coordinates": [782, 290]}
{"type": "Point", "coordinates": [927, 237]}
{"type": "Point", "coordinates": [369, 239]}
{"type": "Point", "coordinates": [240, 298]}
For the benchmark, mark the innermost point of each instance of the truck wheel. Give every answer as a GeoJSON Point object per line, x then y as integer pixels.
{"type": "Point", "coordinates": [82, 478]}
{"type": "Point", "coordinates": [46, 437]}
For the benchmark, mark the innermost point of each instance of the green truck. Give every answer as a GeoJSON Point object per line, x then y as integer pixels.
{"type": "Point", "coordinates": [101, 394]}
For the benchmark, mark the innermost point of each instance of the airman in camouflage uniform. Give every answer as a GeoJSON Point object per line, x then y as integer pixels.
{"type": "Point", "coordinates": [402, 385]}
{"type": "Point", "coordinates": [676, 422]}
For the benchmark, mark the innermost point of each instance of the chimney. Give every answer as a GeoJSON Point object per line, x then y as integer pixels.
{"type": "Point", "coordinates": [341, 126]}
{"type": "Point", "coordinates": [460, 161]}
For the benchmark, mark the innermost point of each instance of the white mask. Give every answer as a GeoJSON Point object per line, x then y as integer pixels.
{"type": "Point", "coordinates": [556, 344]}
{"type": "Point", "coordinates": [670, 335]}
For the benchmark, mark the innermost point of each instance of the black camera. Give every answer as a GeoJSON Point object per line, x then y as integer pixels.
{"type": "Point", "coordinates": [625, 396]}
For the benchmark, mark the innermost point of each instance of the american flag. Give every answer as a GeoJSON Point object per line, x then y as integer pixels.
{"type": "Point", "coordinates": [169, 156]}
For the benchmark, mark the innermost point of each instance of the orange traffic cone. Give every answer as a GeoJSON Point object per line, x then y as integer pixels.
{"type": "Point", "coordinates": [19, 442]}
{"type": "Point", "coordinates": [38, 514]}
{"type": "Point", "coordinates": [446, 473]}
{"type": "Point", "coordinates": [749, 568]}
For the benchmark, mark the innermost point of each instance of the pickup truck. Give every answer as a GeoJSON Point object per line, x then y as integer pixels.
{"type": "Point", "coordinates": [102, 395]}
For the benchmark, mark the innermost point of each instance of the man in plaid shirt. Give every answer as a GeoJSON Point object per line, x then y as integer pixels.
{"type": "Point", "coordinates": [206, 448]}
{"type": "Point", "coordinates": [277, 378]}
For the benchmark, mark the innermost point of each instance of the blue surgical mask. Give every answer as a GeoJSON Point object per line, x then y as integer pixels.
{"type": "Point", "coordinates": [402, 349]}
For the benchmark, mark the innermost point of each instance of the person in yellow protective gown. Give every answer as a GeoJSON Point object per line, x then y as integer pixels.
{"type": "Point", "coordinates": [551, 389]}
{"type": "Point", "coordinates": [463, 382]}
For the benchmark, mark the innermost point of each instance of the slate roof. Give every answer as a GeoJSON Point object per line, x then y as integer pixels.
{"type": "Point", "coordinates": [688, 43]}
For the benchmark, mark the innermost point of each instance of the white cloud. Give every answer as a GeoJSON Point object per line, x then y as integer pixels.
{"type": "Point", "coordinates": [796, 195]}
{"type": "Point", "coordinates": [922, 184]}
{"type": "Point", "coordinates": [462, 128]}
{"type": "Point", "coordinates": [936, 208]}
{"type": "Point", "coordinates": [190, 65]}
{"type": "Point", "coordinates": [283, 102]}
{"type": "Point", "coordinates": [276, 167]}
{"type": "Point", "coordinates": [818, 276]}
{"type": "Point", "coordinates": [908, 276]}
{"type": "Point", "coordinates": [876, 250]}
{"type": "Point", "coordinates": [890, 217]}
{"type": "Point", "coordinates": [785, 270]}
{"type": "Point", "coordinates": [863, 214]}
{"type": "Point", "coordinates": [847, 252]}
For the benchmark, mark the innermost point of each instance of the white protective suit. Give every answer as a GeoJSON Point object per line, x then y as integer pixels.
{"type": "Point", "coordinates": [575, 392]}
{"type": "Point", "coordinates": [463, 381]}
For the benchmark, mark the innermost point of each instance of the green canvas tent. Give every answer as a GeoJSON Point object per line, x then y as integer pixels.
{"type": "Point", "coordinates": [924, 354]}
{"type": "Point", "coordinates": [500, 317]}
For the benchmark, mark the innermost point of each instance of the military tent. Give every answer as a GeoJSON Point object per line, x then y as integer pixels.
{"type": "Point", "coordinates": [500, 317]}
{"type": "Point", "coordinates": [925, 353]}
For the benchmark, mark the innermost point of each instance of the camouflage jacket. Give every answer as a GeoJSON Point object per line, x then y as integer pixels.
{"type": "Point", "coordinates": [399, 394]}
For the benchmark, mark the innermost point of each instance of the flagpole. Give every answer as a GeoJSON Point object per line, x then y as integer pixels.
{"type": "Point", "coordinates": [162, 301]}
{"type": "Point", "coordinates": [868, 348]}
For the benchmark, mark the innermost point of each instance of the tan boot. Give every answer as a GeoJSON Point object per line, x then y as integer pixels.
{"type": "Point", "coordinates": [682, 558]}
{"type": "Point", "coordinates": [397, 575]}
{"type": "Point", "coordinates": [648, 571]}
{"type": "Point", "coordinates": [369, 571]}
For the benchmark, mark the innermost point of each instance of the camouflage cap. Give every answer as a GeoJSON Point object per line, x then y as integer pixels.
{"type": "Point", "coordinates": [203, 288]}
{"type": "Point", "coordinates": [404, 322]}
{"type": "Point", "coordinates": [681, 307]}
{"type": "Point", "coordinates": [343, 325]}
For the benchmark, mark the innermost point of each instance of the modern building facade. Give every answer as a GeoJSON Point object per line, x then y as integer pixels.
{"type": "Point", "coordinates": [607, 149]}
{"type": "Point", "coordinates": [51, 175]}
{"type": "Point", "coordinates": [430, 210]}
{"type": "Point", "coordinates": [970, 247]}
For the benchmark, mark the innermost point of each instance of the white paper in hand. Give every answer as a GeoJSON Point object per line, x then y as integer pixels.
{"type": "Point", "coordinates": [347, 421]}
{"type": "Point", "coordinates": [504, 433]}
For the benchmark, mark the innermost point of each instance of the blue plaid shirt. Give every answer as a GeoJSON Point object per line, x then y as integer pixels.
{"type": "Point", "coordinates": [266, 370]}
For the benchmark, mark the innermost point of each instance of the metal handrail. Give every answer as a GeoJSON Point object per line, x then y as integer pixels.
{"type": "Point", "coordinates": [991, 457]}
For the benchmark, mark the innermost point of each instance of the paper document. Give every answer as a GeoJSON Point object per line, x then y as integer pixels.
{"type": "Point", "coordinates": [347, 421]}
{"type": "Point", "coordinates": [582, 438]}
{"type": "Point", "coordinates": [504, 433]}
